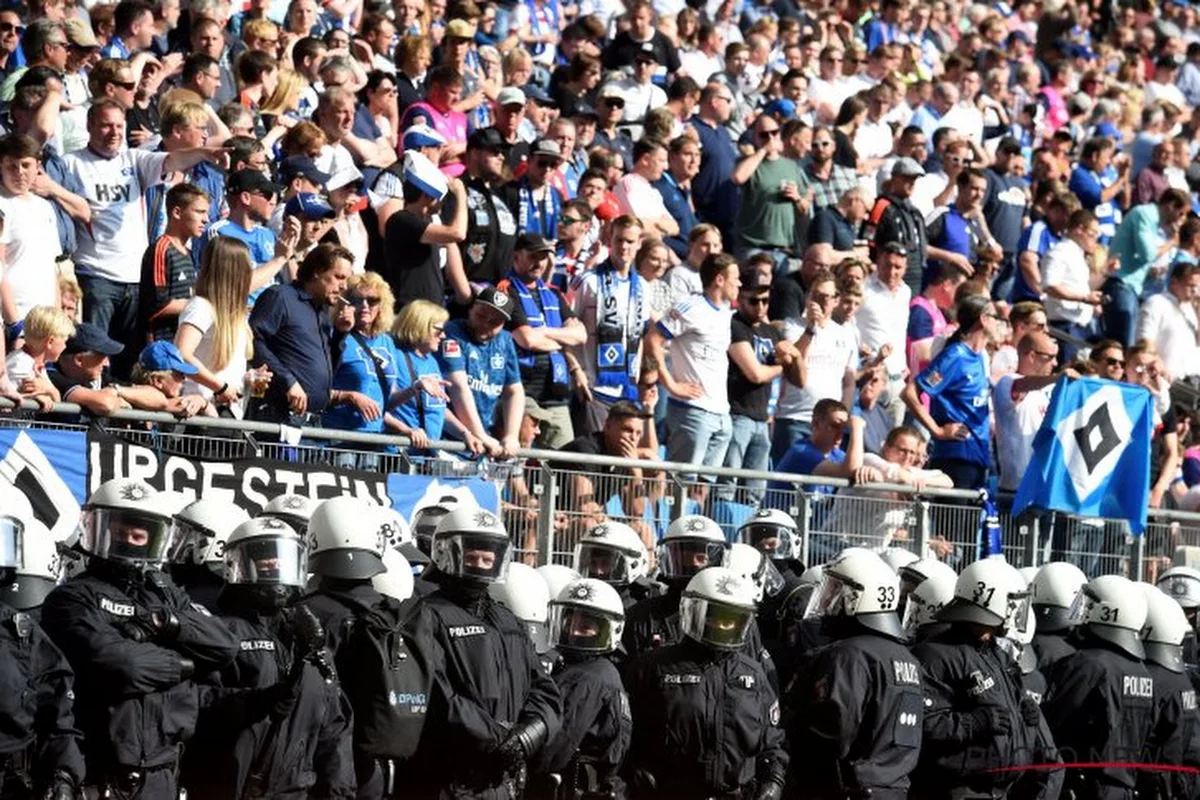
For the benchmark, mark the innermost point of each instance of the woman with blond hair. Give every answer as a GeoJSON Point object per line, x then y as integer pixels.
{"type": "Point", "coordinates": [365, 375]}
{"type": "Point", "coordinates": [214, 335]}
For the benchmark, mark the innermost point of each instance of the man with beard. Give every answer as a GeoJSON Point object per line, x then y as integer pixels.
{"type": "Point", "coordinates": [487, 250]}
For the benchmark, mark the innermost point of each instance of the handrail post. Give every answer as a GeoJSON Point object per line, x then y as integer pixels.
{"type": "Point", "coordinates": [1138, 549]}
{"type": "Point", "coordinates": [546, 490]}
{"type": "Point", "coordinates": [803, 513]}
{"type": "Point", "coordinates": [678, 496]}
{"type": "Point", "coordinates": [1031, 533]}
{"type": "Point", "coordinates": [921, 514]}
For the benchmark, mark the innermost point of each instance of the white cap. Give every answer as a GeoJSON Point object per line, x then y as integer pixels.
{"type": "Point", "coordinates": [420, 172]}
{"type": "Point", "coordinates": [421, 135]}
{"type": "Point", "coordinates": [343, 177]}
{"type": "Point", "coordinates": [510, 95]}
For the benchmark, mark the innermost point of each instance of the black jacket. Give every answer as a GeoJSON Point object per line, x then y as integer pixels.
{"type": "Point", "coordinates": [1177, 735]}
{"type": "Point", "coordinates": [1052, 648]}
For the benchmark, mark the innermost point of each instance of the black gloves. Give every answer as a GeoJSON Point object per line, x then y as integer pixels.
{"type": "Point", "coordinates": [281, 698]}
{"type": "Point", "coordinates": [307, 629]}
{"type": "Point", "coordinates": [989, 721]}
{"type": "Point", "coordinates": [187, 668]}
{"type": "Point", "coordinates": [61, 788]}
{"type": "Point", "coordinates": [1030, 712]}
{"type": "Point", "coordinates": [769, 790]}
{"type": "Point", "coordinates": [525, 739]}
{"type": "Point", "coordinates": [160, 625]}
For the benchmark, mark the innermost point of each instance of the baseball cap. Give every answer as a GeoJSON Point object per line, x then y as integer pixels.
{"type": "Point", "coordinates": [420, 172]}
{"type": "Point", "coordinates": [546, 147]}
{"type": "Point", "coordinates": [251, 180]}
{"type": "Point", "coordinates": [496, 300]}
{"type": "Point", "coordinates": [163, 355]}
{"type": "Point", "coordinates": [583, 110]}
{"type": "Point", "coordinates": [611, 90]}
{"type": "Point", "coordinates": [781, 107]}
{"type": "Point", "coordinates": [344, 177]}
{"type": "Point", "coordinates": [628, 408]}
{"type": "Point", "coordinates": [302, 166]}
{"type": "Point", "coordinates": [90, 338]}
{"type": "Point", "coordinates": [646, 53]}
{"type": "Point", "coordinates": [79, 33]}
{"type": "Point", "coordinates": [421, 135]}
{"type": "Point", "coordinates": [538, 95]}
{"type": "Point", "coordinates": [907, 168]}
{"type": "Point", "coordinates": [534, 243]}
{"type": "Point", "coordinates": [1108, 130]}
{"type": "Point", "coordinates": [510, 96]}
{"type": "Point", "coordinates": [307, 205]}
{"type": "Point", "coordinates": [459, 29]}
{"type": "Point", "coordinates": [532, 409]}
{"type": "Point", "coordinates": [485, 139]}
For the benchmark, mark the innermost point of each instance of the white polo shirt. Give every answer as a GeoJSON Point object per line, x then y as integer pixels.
{"type": "Point", "coordinates": [831, 352]}
{"type": "Point", "coordinates": [1017, 422]}
{"type": "Point", "coordinates": [883, 319]}
{"type": "Point", "coordinates": [1066, 266]}
{"type": "Point", "coordinates": [700, 333]}
{"type": "Point", "coordinates": [1171, 326]}
{"type": "Point", "coordinates": [31, 245]}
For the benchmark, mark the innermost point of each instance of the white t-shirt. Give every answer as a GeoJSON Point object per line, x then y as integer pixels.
{"type": "Point", "coordinates": [684, 280]}
{"type": "Point", "coordinates": [31, 244]}
{"type": "Point", "coordinates": [20, 365]}
{"type": "Point", "coordinates": [883, 319]}
{"type": "Point", "coordinates": [1066, 266]}
{"type": "Point", "coordinates": [833, 92]}
{"type": "Point", "coordinates": [831, 352]}
{"type": "Point", "coordinates": [1017, 422]}
{"type": "Point", "coordinates": [700, 334]}
{"type": "Point", "coordinates": [699, 66]}
{"type": "Point", "coordinates": [588, 307]}
{"type": "Point", "coordinates": [636, 196]}
{"type": "Point", "coordinates": [112, 244]}
{"type": "Point", "coordinates": [1171, 327]}
{"type": "Point", "coordinates": [199, 314]}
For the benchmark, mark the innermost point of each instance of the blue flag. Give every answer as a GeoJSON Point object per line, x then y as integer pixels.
{"type": "Point", "coordinates": [1091, 456]}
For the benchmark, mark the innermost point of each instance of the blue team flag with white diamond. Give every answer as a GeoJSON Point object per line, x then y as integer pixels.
{"type": "Point", "coordinates": [1091, 456]}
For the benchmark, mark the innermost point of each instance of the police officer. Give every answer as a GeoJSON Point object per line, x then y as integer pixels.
{"type": "Point", "coordinates": [40, 566]}
{"type": "Point", "coordinates": [1100, 701]}
{"type": "Point", "coordinates": [294, 509]}
{"type": "Point", "coordinates": [1052, 593]}
{"type": "Point", "coordinates": [426, 518]}
{"type": "Point", "coordinates": [396, 581]}
{"type": "Point", "coordinates": [1178, 729]}
{"type": "Point", "coordinates": [705, 717]}
{"type": "Point", "coordinates": [924, 601]}
{"type": "Point", "coordinates": [39, 745]}
{"type": "Point", "coordinates": [202, 529]}
{"type": "Point", "coordinates": [978, 721]}
{"type": "Point", "coordinates": [497, 706]}
{"type": "Point", "coordinates": [775, 533]}
{"type": "Point", "coordinates": [307, 751]}
{"type": "Point", "coordinates": [585, 627]}
{"type": "Point", "coordinates": [527, 596]}
{"type": "Point", "coordinates": [613, 552]}
{"type": "Point", "coordinates": [134, 640]}
{"type": "Point", "coordinates": [1183, 585]}
{"type": "Point", "coordinates": [856, 706]}
{"type": "Point", "coordinates": [917, 571]}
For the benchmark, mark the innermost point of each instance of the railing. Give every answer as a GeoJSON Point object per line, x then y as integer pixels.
{"type": "Point", "coordinates": [550, 498]}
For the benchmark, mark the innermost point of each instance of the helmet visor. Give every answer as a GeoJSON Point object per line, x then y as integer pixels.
{"type": "Point", "coordinates": [1017, 617]}
{"type": "Point", "coordinates": [832, 598]}
{"type": "Point", "coordinates": [12, 542]}
{"type": "Point", "coordinates": [1079, 607]}
{"type": "Point", "coordinates": [774, 540]}
{"type": "Point", "coordinates": [684, 557]}
{"type": "Point", "coordinates": [913, 614]}
{"type": "Point", "coordinates": [769, 579]}
{"type": "Point", "coordinates": [424, 524]}
{"type": "Point", "coordinates": [601, 562]}
{"type": "Point", "coordinates": [716, 624]}
{"type": "Point", "coordinates": [267, 560]}
{"type": "Point", "coordinates": [580, 629]}
{"type": "Point", "coordinates": [130, 536]}
{"type": "Point", "coordinates": [478, 556]}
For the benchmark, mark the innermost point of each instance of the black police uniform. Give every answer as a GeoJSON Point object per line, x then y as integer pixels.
{"type": "Point", "coordinates": [488, 682]}
{"type": "Point", "coordinates": [1100, 706]}
{"type": "Point", "coordinates": [854, 719]}
{"type": "Point", "coordinates": [306, 754]}
{"type": "Point", "coordinates": [202, 585]}
{"type": "Point", "coordinates": [1052, 648]}
{"type": "Point", "coordinates": [973, 721]}
{"type": "Point", "coordinates": [705, 724]}
{"type": "Point", "coordinates": [596, 729]}
{"type": "Point", "coordinates": [135, 701]}
{"type": "Point", "coordinates": [38, 738]}
{"type": "Point", "coordinates": [1177, 735]}
{"type": "Point", "coordinates": [636, 591]}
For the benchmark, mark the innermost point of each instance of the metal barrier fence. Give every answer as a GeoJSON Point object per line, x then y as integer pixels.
{"type": "Point", "coordinates": [550, 499]}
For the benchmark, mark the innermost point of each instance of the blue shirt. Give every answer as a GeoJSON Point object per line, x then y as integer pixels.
{"type": "Point", "coordinates": [489, 367]}
{"type": "Point", "coordinates": [261, 242]}
{"type": "Point", "coordinates": [356, 373]}
{"type": "Point", "coordinates": [1038, 238]}
{"type": "Point", "coordinates": [958, 387]}
{"type": "Point", "coordinates": [203, 176]}
{"type": "Point", "coordinates": [56, 168]}
{"type": "Point", "coordinates": [433, 420]}
{"type": "Point", "coordinates": [115, 49]}
{"type": "Point", "coordinates": [716, 196]}
{"type": "Point", "coordinates": [292, 336]}
{"type": "Point", "coordinates": [1136, 245]}
{"type": "Point", "coordinates": [676, 202]}
{"type": "Point", "coordinates": [926, 118]}
{"type": "Point", "coordinates": [1087, 186]}
{"type": "Point", "coordinates": [802, 458]}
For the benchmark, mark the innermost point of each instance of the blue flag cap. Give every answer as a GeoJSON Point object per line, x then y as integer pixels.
{"type": "Point", "coordinates": [1091, 457]}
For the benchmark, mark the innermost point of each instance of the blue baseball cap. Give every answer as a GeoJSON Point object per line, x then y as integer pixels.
{"type": "Point", "coordinates": [781, 107]}
{"type": "Point", "coordinates": [1109, 130]}
{"type": "Point", "coordinates": [164, 355]}
{"type": "Point", "coordinates": [308, 206]}
{"type": "Point", "coordinates": [421, 135]}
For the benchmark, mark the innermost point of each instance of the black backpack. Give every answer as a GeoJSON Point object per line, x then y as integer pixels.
{"type": "Point", "coordinates": [387, 677]}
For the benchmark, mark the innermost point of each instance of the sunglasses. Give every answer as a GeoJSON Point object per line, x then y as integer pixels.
{"type": "Point", "coordinates": [614, 102]}
{"type": "Point", "coordinates": [546, 163]}
{"type": "Point", "coordinates": [128, 86]}
{"type": "Point", "coordinates": [770, 133]}
{"type": "Point", "coordinates": [357, 300]}
{"type": "Point", "coordinates": [1115, 362]}
{"type": "Point", "coordinates": [758, 301]}
{"type": "Point", "coordinates": [8, 27]}
{"type": "Point", "coordinates": [564, 220]}
{"type": "Point", "coordinates": [439, 330]}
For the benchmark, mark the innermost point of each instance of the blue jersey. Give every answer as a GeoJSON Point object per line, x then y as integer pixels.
{"type": "Point", "coordinates": [356, 373]}
{"type": "Point", "coordinates": [260, 240]}
{"type": "Point", "coordinates": [958, 388]}
{"type": "Point", "coordinates": [1088, 186]}
{"type": "Point", "coordinates": [802, 458]}
{"type": "Point", "coordinates": [489, 367]}
{"type": "Point", "coordinates": [430, 413]}
{"type": "Point", "coordinates": [1037, 238]}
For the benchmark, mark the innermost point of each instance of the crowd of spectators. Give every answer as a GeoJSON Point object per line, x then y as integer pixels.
{"type": "Point", "coordinates": [848, 239]}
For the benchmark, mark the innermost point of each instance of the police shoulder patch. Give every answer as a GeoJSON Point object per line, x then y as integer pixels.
{"type": "Point", "coordinates": [199, 609]}
{"type": "Point", "coordinates": [623, 700]}
{"type": "Point", "coordinates": [773, 713]}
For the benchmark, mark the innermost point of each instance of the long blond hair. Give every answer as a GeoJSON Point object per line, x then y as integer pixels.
{"type": "Point", "coordinates": [286, 96]}
{"type": "Point", "coordinates": [224, 281]}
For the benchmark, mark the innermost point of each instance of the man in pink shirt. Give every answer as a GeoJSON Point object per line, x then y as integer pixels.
{"type": "Point", "coordinates": [637, 196]}
{"type": "Point", "coordinates": [437, 110]}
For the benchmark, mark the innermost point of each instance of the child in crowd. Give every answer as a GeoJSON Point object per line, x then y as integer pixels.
{"type": "Point", "coordinates": [46, 332]}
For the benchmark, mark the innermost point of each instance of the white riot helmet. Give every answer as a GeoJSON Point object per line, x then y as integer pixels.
{"type": "Point", "coordinates": [899, 557]}
{"type": "Point", "coordinates": [717, 608]}
{"type": "Point", "coordinates": [527, 596]}
{"type": "Point", "coordinates": [1182, 584]}
{"type": "Point", "coordinates": [858, 583]}
{"type": "Point", "coordinates": [755, 566]}
{"type": "Point", "coordinates": [928, 598]}
{"type": "Point", "coordinates": [772, 531]}
{"type": "Point", "coordinates": [265, 551]}
{"type": "Point", "coordinates": [397, 535]}
{"type": "Point", "coordinates": [40, 564]}
{"type": "Point", "coordinates": [340, 545]}
{"type": "Point", "coordinates": [556, 577]}
{"type": "Point", "coordinates": [472, 545]}
{"type": "Point", "coordinates": [1113, 609]}
{"type": "Point", "coordinates": [294, 509]}
{"type": "Point", "coordinates": [612, 552]}
{"type": "Point", "coordinates": [124, 521]}
{"type": "Point", "coordinates": [690, 544]}
{"type": "Point", "coordinates": [810, 579]}
{"type": "Point", "coordinates": [587, 616]}
{"type": "Point", "coordinates": [397, 580]}
{"type": "Point", "coordinates": [914, 574]}
{"type": "Point", "coordinates": [989, 592]}
{"type": "Point", "coordinates": [1165, 629]}
{"type": "Point", "coordinates": [1028, 573]}
{"type": "Point", "coordinates": [1052, 593]}
{"type": "Point", "coordinates": [15, 515]}
{"type": "Point", "coordinates": [203, 529]}
{"type": "Point", "coordinates": [426, 518]}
